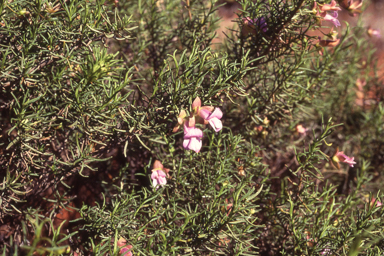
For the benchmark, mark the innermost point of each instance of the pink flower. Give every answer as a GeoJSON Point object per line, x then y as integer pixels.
{"type": "Point", "coordinates": [205, 112]}
{"type": "Point", "coordinates": [341, 157]}
{"type": "Point", "coordinates": [213, 118]}
{"type": "Point", "coordinates": [126, 249]}
{"type": "Point", "coordinates": [158, 178]}
{"type": "Point", "coordinates": [192, 138]}
{"type": "Point", "coordinates": [345, 159]}
{"type": "Point", "coordinates": [373, 32]}
{"type": "Point", "coordinates": [331, 17]}
{"type": "Point", "coordinates": [378, 203]}
{"type": "Point", "coordinates": [301, 129]}
{"type": "Point", "coordinates": [330, 7]}
{"type": "Point", "coordinates": [158, 175]}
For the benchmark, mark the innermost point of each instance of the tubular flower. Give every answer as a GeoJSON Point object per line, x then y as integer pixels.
{"type": "Point", "coordinates": [330, 7]}
{"type": "Point", "coordinates": [353, 7]}
{"type": "Point", "coordinates": [192, 138]}
{"type": "Point", "coordinates": [158, 175]}
{"type": "Point", "coordinates": [209, 115]}
{"type": "Point", "coordinates": [341, 157]}
{"type": "Point", "coordinates": [327, 12]}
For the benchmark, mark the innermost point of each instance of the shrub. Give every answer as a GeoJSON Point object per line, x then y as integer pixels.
{"type": "Point", "coordinates": [92, 92]}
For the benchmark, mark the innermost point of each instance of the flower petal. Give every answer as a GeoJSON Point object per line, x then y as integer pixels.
{"type": "Point", "coordinates": [186, 143]}
{"type": "Point", "coordinates": [154, 175]}
{"type": "Point", "coordinates": [180, 118]}
{"type": "Point", "coordinates": [158, 165]}
{"type": "Point", "coordinates": [341, 156]}
{"type": "Point", "coordinates": [161, 173]}
{"type": "Point", "coordinates": [208, 108]}
{"type": "Point", "coordinates": [330, 7]}
{"type": "Point", "coordinates": [216, 114]}
{"type": "Point", "coordinates": [154, 183]}
{"type": "Point", "coordinates": [195, 145]}
{"type": "Point", "coordinates": [216, 124]}
{"type": "Point", "coordinates": [331, 17]}
{"type": "Point", "coordinates": [191, 122]}
{"type": "Point", "coordinates": [345, 159]}
{"type": "Point", "coordinates": [190, 132]}
{"type": "Point", "coordinates": [204, 113]}
{"type": "Point", "coordinates": [196, 103]}
{"type": "Point", "coordinates": [126, 249]}
{"type": "Point", "coordinates": [162, 181]}
{"type": "Point", "coordinates": [350, 161]}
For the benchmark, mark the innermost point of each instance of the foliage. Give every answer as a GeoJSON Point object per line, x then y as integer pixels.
{"type": "Point", "coordinates": [91, 92]}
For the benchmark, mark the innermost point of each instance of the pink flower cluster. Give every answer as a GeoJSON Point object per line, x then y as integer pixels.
{"type": "Point", "coordinates": [328, 12]}
{"type": "Point", "coordinates": [201, 114]}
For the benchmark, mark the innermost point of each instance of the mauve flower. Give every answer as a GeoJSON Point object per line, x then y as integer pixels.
{"type": "Point", "coordinates": [251, 26]}
{"type": "Point", "coordinates": [330, 7]}
{"type": "Point", "coordinates": [192, 138]}
{"type": "Point", "coordinates": [341, 157]}
{"type": "Point", "coordinates": [261, 23]}
{"type": "Point", "coordinates": [205, 112]}
{"type": "Point", "coordinates": [158, 175]}
{"type": "Point", "coordinates": [331, 17]}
